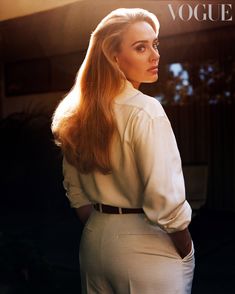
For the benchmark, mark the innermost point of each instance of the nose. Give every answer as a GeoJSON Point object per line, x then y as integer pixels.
{"type": "Point", "coordinates": [154, 55]}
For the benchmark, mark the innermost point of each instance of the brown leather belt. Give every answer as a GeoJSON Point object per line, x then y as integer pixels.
{"type": "Point", "coordinates": [116, 210]}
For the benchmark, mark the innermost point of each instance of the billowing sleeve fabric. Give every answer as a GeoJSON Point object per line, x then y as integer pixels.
{"type": "Point", "coordinates": [160, 169]}
{"type": "Point", "coordinates": [72, 186]}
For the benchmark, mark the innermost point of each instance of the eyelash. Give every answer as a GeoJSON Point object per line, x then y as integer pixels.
{"type": "Point", "coordinates": [139, 48]}
{"type": "Point", "coordinates": [156, 44]}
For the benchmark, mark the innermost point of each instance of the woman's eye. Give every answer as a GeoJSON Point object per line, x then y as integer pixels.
{"type": "Point", "coordinates": [140, 48]}
{"type": "Point", "coordinates": [155, 45]}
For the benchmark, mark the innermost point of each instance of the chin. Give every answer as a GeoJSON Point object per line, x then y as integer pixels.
{"type": "Point", "coordinates": [152, 80]}
{"type": "Point", "coordinates": [147, 80]}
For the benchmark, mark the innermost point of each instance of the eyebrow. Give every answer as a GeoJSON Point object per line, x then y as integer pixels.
{"type": "Point", "coordinates": [143, 41]}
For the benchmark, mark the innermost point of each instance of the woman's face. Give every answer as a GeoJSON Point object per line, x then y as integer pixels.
{"type": "Point", "coordinates": [138, 57]}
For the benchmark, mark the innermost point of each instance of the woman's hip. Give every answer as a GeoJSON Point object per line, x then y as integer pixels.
{"type": "Point", "coordinates": [124, 250]}
{"type": "Point", "coordinates": [126, 233]}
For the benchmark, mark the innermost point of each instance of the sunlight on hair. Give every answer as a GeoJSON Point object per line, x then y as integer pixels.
{"type": "Point", "coordinates": [67, 107]}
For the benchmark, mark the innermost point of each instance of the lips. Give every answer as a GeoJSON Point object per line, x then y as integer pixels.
{"type": "Point", "coordinates": [153, 69]}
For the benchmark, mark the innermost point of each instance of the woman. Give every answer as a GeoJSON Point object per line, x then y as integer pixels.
{"type": "Point", "coordinates": [122, 168]}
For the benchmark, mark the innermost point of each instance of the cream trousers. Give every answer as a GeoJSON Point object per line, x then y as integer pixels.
{"type": "Point", "coordinates": [124, 254]}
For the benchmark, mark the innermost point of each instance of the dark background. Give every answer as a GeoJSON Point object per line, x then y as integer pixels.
{"type": "Point", "coordinates": [40, 55]}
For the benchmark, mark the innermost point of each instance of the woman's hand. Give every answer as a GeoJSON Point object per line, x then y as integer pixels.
{"type": "Point", "coordinates": [84, 212]}
{"type": "Point", "coordinates": [182, 241]}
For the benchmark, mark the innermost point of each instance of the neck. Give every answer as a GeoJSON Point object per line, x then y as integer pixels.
{"type": "Point", "coordinates": [135, 84]}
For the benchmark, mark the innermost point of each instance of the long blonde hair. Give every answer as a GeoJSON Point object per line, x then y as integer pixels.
{"type": "Point", "coordinates": [83, 123]}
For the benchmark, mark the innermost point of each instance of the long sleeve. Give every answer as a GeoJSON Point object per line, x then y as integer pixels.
{"type": "Point", "coordinates": [159, 164]}
{"type": "Point", "coordinates": [72, 185]}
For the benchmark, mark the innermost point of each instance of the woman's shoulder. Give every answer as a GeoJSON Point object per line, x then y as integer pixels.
{"type": "Point", "coordinates": [146, 105]}
{"type": "Point", "coordinates": [134, 102]}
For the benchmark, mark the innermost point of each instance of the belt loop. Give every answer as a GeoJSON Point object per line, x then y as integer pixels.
{"type": "Point", "coordinates": [120, 210]}
{"type": "Point", "coordinates": [100, 207]}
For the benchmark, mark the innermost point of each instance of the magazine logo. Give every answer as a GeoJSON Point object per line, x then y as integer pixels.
{"type": "Point", "coordinates": [202, 12]}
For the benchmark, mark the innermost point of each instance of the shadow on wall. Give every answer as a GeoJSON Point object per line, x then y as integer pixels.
{"type": "Point", "coordinates": [30, 170]}
{"type": "Point", "coordinates": [39, 233]}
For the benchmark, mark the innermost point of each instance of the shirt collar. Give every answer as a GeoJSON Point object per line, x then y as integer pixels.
{"type": "Point", "coordinates": [128, 92]}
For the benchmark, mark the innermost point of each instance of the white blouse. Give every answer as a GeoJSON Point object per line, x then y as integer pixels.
{"type": "Point", "coordinates": [146, 166]}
